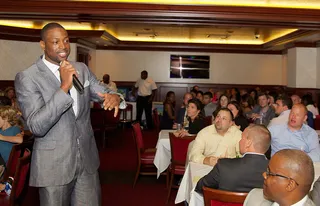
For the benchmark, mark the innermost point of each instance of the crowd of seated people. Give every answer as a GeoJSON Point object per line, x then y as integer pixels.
{"type": "Point", "coordinates": [279, 122]}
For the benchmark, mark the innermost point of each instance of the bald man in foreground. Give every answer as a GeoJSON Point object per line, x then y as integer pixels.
{"type": "Point", "coordinates": [296, 134]}
{"type": "Point", "coordinates": [287, 181]}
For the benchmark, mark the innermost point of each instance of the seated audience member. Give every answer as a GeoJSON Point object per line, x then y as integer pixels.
{"type": "Point", "coordinates": [216, 97]}
{"type": "Point", "coordinates": [295, 134]}
{"type": "Point", "coordinates": [11, 94]}
{"type": "Point", "coordinates": [182, 112]}
{"type": "Point", "coordinates": [10, 130]}
{"type": "Point", "coordinates": [309, 103]}
{"type": "Point", "coordinates": [194, 117]}
{"type": "Point", "coordinates": [247, 104]}
{"type": "Point", "coordinates": [287, 181]}
{"type": "Point", "coordinates": [282, 108]}
{"type": "Point", "coordinates": [273, 96]}
{"type": "Point", "coordinates": [297, 100]}
{"type": "Point", "coordinates": [254, 143]}
{"type": "Point", "coordinates": [132, 96]}
{"type": "Point", "coordinates": [235, 95]}
{"type": "Point", "coordinates": [195, 88]}
{"type": "Point", "coordinates": [222, 103]}
{"type": "Point", "coordinates": [239, 120]}
{"type": "Point", "coordinates": [209, 107]}
{"type": "Point", "coordinates": [193, 93]}
{"type": "Point", "coordinates": [254, 95]}
{"type": "Point", "coordinates": [168, 117]}
{"type": "Point", "coordinates": [263, 113]}
{"type": "Point", "coordinates": [218, 140]}
{"type": "Point", "coordinates": [110, 84]}
{"type": "Point", "coordinates": [199, 96]}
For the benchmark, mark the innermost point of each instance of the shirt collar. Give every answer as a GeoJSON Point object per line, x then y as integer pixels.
{"type": "Point", "coordinates": [300, 203]}
{"type": "Point", "coordinates": [53, 67]}
{"type": "Point", "coordinates": [285, 112]}
{"type": "Point", "coordinates": [253, 153]}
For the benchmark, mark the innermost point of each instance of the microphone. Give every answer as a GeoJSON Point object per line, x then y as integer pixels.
{"type": "Point", "coordinates": [76, 83]}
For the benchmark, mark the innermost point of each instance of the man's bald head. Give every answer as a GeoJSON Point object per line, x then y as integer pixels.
{"type": "Point", "coordinates": [295, 99]}
{"type": "Point", "coordinates": [298, 166]}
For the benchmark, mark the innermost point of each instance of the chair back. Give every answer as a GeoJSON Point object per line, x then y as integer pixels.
{"type": "Point", "coordinates": [97, 118]}
{"type": "Point", "coordinates": [179, 148]}
{"type": "Point", "coordinates": [156, 119]}
{"type": "Point", "coordinates": [208, 121]}
{"type": "Point", "coordinates": [137, 134]}
{"type": "Point", "coordinates": [213, 197]}
{"type": "Point", "coordinates": [21, 176]}
{"type": "Point", "coordinates": [109, 118]}
{"type": "Point", "coordinates": [317, 122]}
{"type": "Point", "coordinates": [17, 151]}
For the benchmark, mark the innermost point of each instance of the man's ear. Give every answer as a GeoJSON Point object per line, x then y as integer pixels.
{"type": "Point", "coordinates": [305, 118]}
{"type": "Point", "coordinates": [42, 45]}
{"type": "Point", "coordinates": [291, 186]}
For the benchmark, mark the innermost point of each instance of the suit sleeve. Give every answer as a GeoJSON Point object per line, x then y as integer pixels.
{"type": "Point", "coordinates": [40, 115]}
{"type": "Point", "coordinates": [211, 180]}
{"type": "Point", "coordinates": [315, 193]}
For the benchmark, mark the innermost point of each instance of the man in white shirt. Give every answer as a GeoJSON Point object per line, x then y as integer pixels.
{"type": "Point", "coordinates": [287, 181]}
{"type": "Point", "coordinates": [282, 108]}
{"type": "Point", "coordinates": [146, 91]}
{"type": "Point", "coordinates": [110, 84]}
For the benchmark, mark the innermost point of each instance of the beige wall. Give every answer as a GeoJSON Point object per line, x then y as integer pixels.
{"type": "Point", "coordinates": [224, 68]}
{"type": "Point", "coordinates": [127, 65]}
{"type": "Point", "coordinates": [16, 56]}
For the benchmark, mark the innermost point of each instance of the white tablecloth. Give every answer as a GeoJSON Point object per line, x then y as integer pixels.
{"type": "Point", "coordinates": [193, 173]}
{"type": "Point", "coordinates": [162, 158]}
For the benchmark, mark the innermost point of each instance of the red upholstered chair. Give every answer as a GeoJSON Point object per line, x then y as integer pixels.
{"type": "Point", "coordinates": [213, 197]}
{"type": "Point", "coordinates": [20, 182]}
{"type": "Point", "coordinates": [208, 121]}
{"type": "Point", "coordinates": [145, 155]}
{"type": "Point", "coordinates": [156, 120]}
{"type": "Point", "coordinates": [17, 151]}
{"type": "Point", "coordinates": [317, 122]}
{"type": "Point", "coordinates": [179, 149]}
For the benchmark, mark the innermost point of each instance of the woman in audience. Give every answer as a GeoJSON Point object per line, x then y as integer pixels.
{"type": "Point", "coordinates": [309, 103]}
{"type": "Point", "coordinates": [239, 119]}
{"type": "Point", "coordinates": [254, 96]}
{"type": "Point", "coordinates": [195, 119]}
{"type": "Point", "coordinates": [222, 103]}
{"type": "Point", "coordinates": [10, 130]}
{"type": "Point", "coordinates": [168, 117]}
{"type": "Point", "coordinates": [11, 94]}
{"type": "Point", "coordinates": [235, 95]}
{"type": "Point", "coordinates": [247, 104]}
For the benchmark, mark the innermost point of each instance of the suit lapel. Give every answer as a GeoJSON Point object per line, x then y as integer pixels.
{"type": "Point", "coordinates": [47, 74]}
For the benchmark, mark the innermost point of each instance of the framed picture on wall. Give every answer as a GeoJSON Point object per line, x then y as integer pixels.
{"type": "Point", "coordinates": [189, 67]}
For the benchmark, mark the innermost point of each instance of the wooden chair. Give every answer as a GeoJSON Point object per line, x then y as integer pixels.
{"type": "Point", "coordinates": [208, 121]}
{"type": "Point", "coordinates": [213, 197]}
{"type": "Point", "coordinates": [17, 151]}
{"type": "Point", "coordinates": [317, 122]}
{"type": "Point", "coordinates": [145, 155]}
{"type": "Point", "coordinates": [20, 182]}
{"type": "Point", "coordinates": [179, 149]}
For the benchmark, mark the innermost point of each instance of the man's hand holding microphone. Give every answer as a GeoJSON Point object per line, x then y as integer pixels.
{"type": "Point", "coordinates": [69, 77]}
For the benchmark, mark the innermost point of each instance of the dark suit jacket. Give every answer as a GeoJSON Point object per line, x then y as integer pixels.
{"type": "Point", "coordinates": [236, 175]}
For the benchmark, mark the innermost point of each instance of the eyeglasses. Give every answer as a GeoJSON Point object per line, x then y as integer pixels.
{"type": "Point", "coordinates": [268, 173]}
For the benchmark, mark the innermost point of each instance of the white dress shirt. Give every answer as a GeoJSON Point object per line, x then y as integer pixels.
{"type": "Point", "coordinates": [73, 92]}
{"type": "Point", "coordinates": [300, 203]}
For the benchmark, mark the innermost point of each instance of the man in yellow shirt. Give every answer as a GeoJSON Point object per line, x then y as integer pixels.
{"type": "Point", "coordinates": [218, 140]}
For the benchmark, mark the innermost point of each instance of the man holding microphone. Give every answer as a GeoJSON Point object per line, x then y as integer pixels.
{"type": "Point", "coordinates": [65, 158]}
